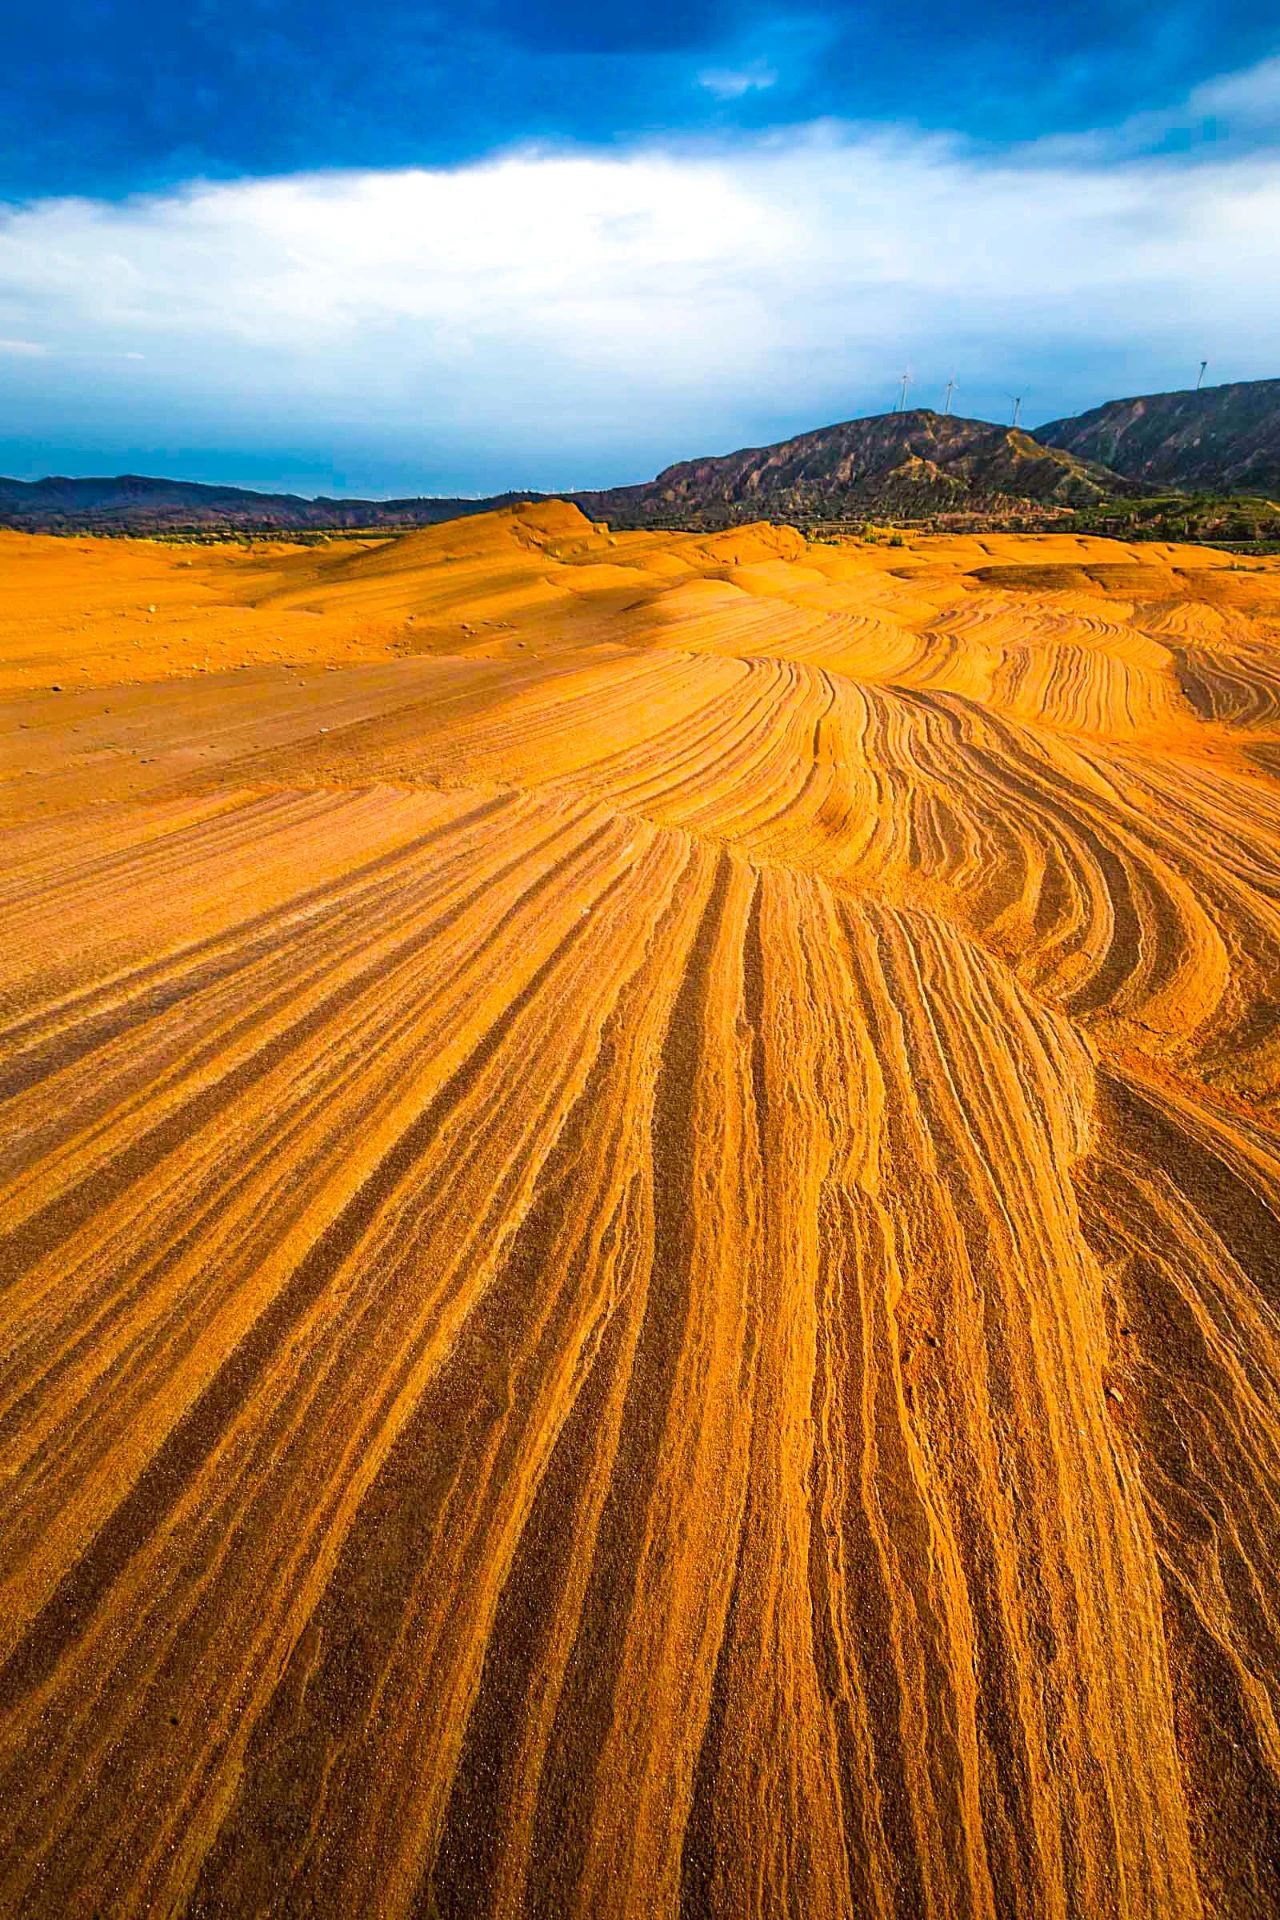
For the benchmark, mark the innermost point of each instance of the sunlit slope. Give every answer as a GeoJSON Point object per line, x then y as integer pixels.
{"type": "Point", "coordinates": [642, 1229]}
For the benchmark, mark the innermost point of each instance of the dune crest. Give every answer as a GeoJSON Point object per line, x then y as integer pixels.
{"type": "Point", "coordinates": [641, 1226]}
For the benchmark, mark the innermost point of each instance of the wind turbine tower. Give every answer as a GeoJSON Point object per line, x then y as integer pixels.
{"type": "Point", "coordinates": [951, 387]}
{"type": "Point", "coordinates": [902, 397]}
{"type": "Point", "coordinates": [1200, 381]}
{"type": "Point", "coordinates": [1017, 407]}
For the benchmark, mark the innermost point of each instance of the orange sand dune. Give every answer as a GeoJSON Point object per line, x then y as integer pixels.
{"type": "Point", "coordinates": [641, 1227]}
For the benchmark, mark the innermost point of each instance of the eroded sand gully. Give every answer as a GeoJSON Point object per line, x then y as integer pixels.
{"type": "Point", "coordinates": [641, 1241]}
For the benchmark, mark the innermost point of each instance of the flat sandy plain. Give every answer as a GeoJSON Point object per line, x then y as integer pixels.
{"type": "Point", "coordinates": [641, 1259]}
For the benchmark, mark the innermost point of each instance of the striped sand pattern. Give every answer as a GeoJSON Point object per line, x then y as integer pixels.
{"type": "Point", "coordinates": [641, 1227]}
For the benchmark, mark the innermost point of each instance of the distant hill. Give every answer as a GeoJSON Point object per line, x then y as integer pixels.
{"type": "Point", "coordinates": [912, 463]}
{"type": "Point", "coordinates": [132, 503]}
{"type": "Point", "coordinates": [915, 465]}
{"type": "Point", "coordinates": [1222, 439]}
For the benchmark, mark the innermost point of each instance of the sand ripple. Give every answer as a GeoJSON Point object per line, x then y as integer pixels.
{"type": "Point", "coordinates": [641, 1230]}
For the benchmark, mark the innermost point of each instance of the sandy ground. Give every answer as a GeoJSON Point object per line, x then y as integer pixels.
{"type": "Point", "coordinates": [641, 1240]}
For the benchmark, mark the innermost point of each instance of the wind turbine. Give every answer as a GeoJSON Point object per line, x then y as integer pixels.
{"type": "Point", "coordinates": [951, 387]}
{"type": "Point", "coordinates": [1200, 381]}
{"type": "Point", "coordinates": [1017, 407]}
{"type": "Point", "coordinates": [902, 397]}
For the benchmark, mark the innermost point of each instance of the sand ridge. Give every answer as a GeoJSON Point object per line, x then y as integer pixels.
{"type": "Point", "coordinates": [641, 1226]}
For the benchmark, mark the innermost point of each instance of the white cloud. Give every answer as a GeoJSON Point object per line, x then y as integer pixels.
{"type": "Point", "coordinates": [1230, 109]}
{"type": "Point", "coordinates": [1249, 99]}
{"type": "Point", "coordinates": [559, 309]}
{"type": "Point", "coordinates": [730, 83]}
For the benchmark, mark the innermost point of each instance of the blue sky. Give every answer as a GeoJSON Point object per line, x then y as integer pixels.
{"type": "Point", "coordinates": [396, 248]}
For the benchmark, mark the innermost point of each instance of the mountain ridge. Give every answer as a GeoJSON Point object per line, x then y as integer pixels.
{"type": "Point", "coordinates": [104, 504]}
{"type": "Point", "coordinates": [916, 464]}
{"type": "Point", "coordinates": [1224, 438]}
{"type": "Point", "coordinates": [916, 461]}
